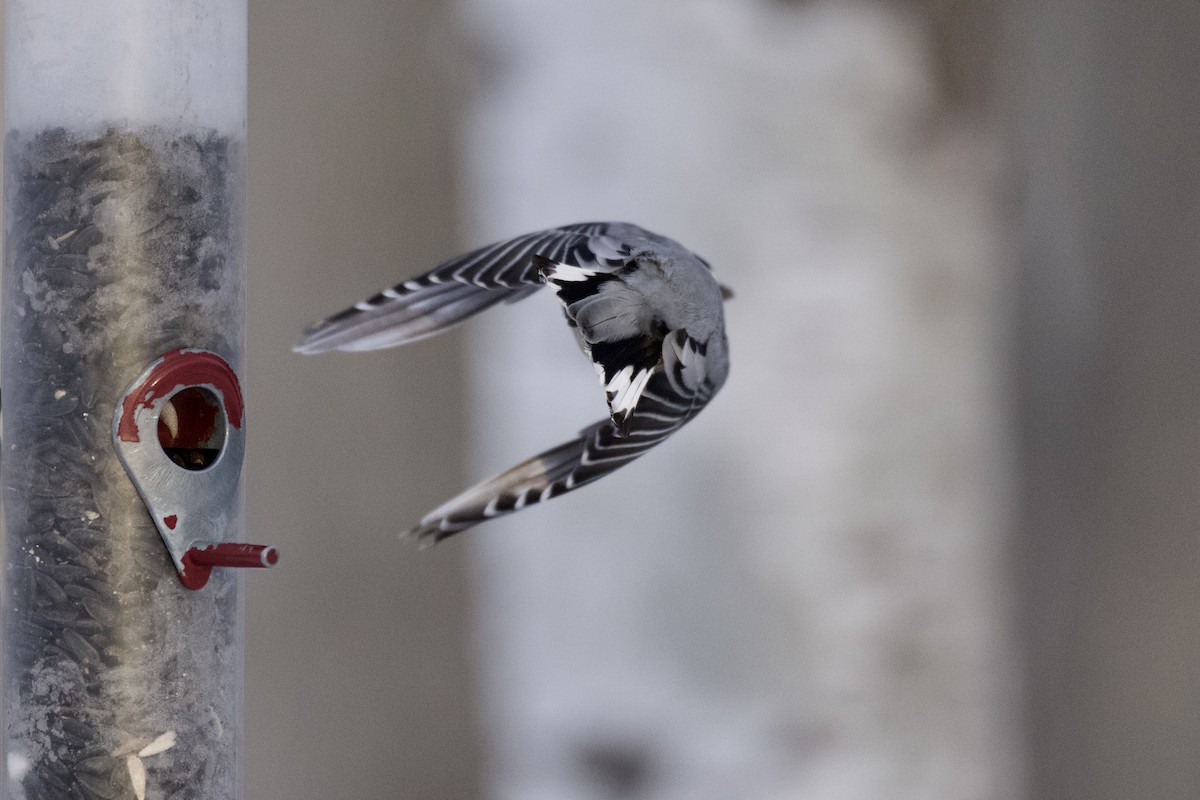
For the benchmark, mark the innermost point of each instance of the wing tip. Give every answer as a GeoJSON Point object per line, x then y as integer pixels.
{"type": "Point", "coordinates": [326, 335]}
{"type": "Point", "coordinates": [426, 533]}
{"type": "Point", "coordinates": [307, 347]}
{"type": "Point", "coordinates": [435, 527]}
{"type": "Point", "coordinates": [423, 536]}
{"type": "Point", "coordinates": [312, 345]}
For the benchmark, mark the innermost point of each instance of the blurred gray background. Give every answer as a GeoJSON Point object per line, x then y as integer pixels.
{"type": "Point", "coordinates": [937, 538]}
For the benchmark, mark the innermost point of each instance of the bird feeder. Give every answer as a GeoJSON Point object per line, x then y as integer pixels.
{"type": "Point", "coordinates": [123, 327]}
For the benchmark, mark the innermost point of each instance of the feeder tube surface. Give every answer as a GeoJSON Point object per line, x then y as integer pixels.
{"type": "Point", "coordinates": [124, 214]}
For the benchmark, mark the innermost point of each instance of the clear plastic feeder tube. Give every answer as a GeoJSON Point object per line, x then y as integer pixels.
{"type": "Point", "coordinates": [124, 212]}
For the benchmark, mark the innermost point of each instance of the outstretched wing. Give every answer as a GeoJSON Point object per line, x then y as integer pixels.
{"type": "Point", "coordinates": [673, 394]}
{"type": "Point", "coordinates": [447, 294]}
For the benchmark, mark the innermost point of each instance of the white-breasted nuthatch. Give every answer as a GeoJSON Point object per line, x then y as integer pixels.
{"type": "Point", "coordinates": [647, 311]}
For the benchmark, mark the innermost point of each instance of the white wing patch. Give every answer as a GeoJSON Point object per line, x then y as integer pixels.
{"type": "Point", "coordinates": [568, 272]}
{"type": "Point", "coordinates": [624, 391]}
{"type": "Point", "coordinates": [625, 388]}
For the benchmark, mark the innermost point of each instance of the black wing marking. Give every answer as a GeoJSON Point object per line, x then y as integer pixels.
{"type": "Point", "coordinates": [674, 394]}
{"type": "Point", "coordinates": [447, 294]}
{"type": "Point", "coordinates": [619, 333]}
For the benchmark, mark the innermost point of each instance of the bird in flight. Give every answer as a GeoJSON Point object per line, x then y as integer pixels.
{"type": "Point", "coordinates": [647, 312]}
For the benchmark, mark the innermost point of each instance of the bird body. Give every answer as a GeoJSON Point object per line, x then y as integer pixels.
{"type": "Point", "coordinates": [647, 312]}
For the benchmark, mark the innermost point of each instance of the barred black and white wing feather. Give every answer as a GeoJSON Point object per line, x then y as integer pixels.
{"type": "Point", "coordinates": [648, 313]}
{"type": "Point", "coordinates": [674, 392]}
{"type": "Point", "coordinates": [446, 295]}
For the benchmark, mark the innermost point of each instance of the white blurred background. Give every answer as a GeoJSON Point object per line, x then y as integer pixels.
{"type": "Point", "coordinates": [939, 536]}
